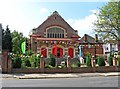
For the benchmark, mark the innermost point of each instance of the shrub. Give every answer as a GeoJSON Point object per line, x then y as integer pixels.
{"type": "Point", "coordinates": [49, 66]}
{"type": "Point", "coordinates": [110, 60]}
{"type": "Point", "coordinates": [23, 63]}
{"type": "Point", "coordinates": [88, 60]}
{"type": "Point", "coordinates": [74, 65]}
{"type": "Point", "coordinates": [101, 61]}
{"type": "Point", "coordinates": [27, 63]}
{"type": "Point", "coordinates": [52, 60]}
{"type": "Point", "coordinates": [78, 63]}
{"type": "Point", "coordinates": [17, 62]}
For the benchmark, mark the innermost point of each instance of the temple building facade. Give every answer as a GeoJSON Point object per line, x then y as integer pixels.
{"type": "Point", "coordinates": [55, 36]}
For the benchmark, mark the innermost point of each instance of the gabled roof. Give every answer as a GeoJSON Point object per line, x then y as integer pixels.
{"type": "Point", "coordinates": [89, 39]}
{"type": "Point", "coordinates": [55, 20]}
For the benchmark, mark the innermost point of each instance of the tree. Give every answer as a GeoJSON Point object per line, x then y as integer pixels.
{"type": "Point", "coordinates": [17, 39]}
{"type": "Point", "coordinates": [108, 22]}
{"type": "Point", "coordinates": [6, 39]}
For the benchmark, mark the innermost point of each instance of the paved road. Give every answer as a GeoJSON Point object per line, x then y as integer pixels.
{"type": "Point", "coordinates": [63, 82]}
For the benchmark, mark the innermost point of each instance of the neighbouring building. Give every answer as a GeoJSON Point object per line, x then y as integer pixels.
{"type": "Point", "coordinates": [55, 36]}
{"type": "Point", "coordinates": [111, 47]}
{"type": "Point", "coordinates": [91, 45]}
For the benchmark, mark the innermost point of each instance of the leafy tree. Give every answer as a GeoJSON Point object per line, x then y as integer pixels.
{"type": "Point", "coordinates": [108, 22]}
{"type": "Point", "coordinates": [6, 39]}
{"type": "Point", "coordinates": [17, 39]}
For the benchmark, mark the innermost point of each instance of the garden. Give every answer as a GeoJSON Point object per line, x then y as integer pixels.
{"type": "Point", "coordinates": [32, 60]}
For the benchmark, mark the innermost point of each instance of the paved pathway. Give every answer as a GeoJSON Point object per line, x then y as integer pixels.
{"type": "Point", "coordinates": [71, 75]}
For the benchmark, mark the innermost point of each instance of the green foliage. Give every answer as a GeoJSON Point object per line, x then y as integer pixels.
{"type": "Point", "coordinates": [17, 62]}
{"type": "Point", "coordinates": [88, 60]}
{"type": "Point", "coordinates": [17, 39]}
{"type": "Point", "coordinates": [110, 60]}
{"type": "Point", "coordinates": [27, 63]}
{"type": "Point", "coordinates": [118, 52]}
{"type": "Point", "coordinates": [52, 60]}
{"type": "Point", "coordinates": [78, 63]}
{"type": "Point", "coordinates": [101, 61]}
{"type": "Point", "coordinates": [29, 53]}
{"type": "Point", "coordinates": [119, 61]}
{"type": "Point", "coordinates": [6, 40]}
{"type": "Point", "coordinates": [49, 66]}
{"type": "Point", "coordinates": [108, 23]}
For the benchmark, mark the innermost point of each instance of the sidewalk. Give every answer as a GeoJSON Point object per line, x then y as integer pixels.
{"type": "Point", "coordinates": [70, 75]}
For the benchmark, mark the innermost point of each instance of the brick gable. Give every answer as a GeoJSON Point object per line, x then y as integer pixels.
{"type": "Point", "coordinates": [56, 20]}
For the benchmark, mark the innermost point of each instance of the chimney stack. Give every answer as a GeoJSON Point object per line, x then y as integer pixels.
{"type": "Point", "coordinates": [96, 37]}
{"type": "Point", "coordinates": [85, 38]}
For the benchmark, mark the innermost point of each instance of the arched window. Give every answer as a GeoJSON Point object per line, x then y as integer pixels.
{"type": "Point", "coordinates": [55, 32]}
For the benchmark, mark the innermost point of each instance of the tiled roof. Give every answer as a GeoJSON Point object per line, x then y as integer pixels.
{"type": "Point", "coordinates": [35, 35]}
{"type": "Point", "coordinates": [90, 39]}
{"type": "Point", "coordinates": [75, 36]}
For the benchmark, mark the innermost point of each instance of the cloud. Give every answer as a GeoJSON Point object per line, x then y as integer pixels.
{"type": "Point", "coordinates": [94, 11]}
{"type": "Point", "coordinates": [43, 10]}
{"type": "Point", "coordinates": [85, 25]}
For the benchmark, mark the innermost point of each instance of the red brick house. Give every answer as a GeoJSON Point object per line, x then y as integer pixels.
{"type": "Point", "coordinates": [91, 45]}
{"type": "Point", "coordinates": [55, 36]}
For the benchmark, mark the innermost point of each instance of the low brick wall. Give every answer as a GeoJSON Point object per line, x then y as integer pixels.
{"type": "Point", "coordinates": [55, 70]}
{"type": "Point", "coordinates": [107, 69]}
{"type": "Point", "coordinates": [73, 70]}
{"type": "Point", "coordinates": [82, 70]}
{"type": "Point", "coordinates": [26, 70]}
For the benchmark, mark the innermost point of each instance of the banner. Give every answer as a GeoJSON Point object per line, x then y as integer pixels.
{"type": "Point", "coordinates": [23, 47]}
{"type": "Point", "coordinates": [80, 51]}
{"type": "Point", "coordinates": [55, 50]}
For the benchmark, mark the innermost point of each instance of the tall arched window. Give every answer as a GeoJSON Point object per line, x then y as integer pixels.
{"type": "Point", "coordinates": [55, 32]}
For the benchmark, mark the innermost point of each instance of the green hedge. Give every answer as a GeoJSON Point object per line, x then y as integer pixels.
{"type": "Point", "coordinates": [88, 60]}
{"type": "Point", "coordinates": [110, 60]}
{"type": "Point", "coordinates": [101, 61]}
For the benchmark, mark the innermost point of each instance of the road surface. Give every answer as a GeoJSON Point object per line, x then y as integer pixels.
{"type": "Point", "coordinates": [111, 81]}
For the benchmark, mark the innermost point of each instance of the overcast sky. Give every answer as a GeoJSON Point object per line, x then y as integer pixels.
{"type": "Point", "coordinates": [24, 15]}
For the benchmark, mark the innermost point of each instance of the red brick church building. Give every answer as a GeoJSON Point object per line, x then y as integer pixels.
{"type": "Point", "coordinates": [55, 36]}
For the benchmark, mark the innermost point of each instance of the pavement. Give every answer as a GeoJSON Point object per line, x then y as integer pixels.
{"type": "Point", "coordinates": [70, 75]}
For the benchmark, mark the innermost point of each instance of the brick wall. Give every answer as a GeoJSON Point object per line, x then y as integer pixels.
{"type": "Point", "coordinates": [73, 70]}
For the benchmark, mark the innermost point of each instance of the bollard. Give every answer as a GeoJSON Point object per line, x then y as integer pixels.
{"type": "Point", "coordinates": [69, 64]}
{"type": "Point", "coordinates": [93, 63]}
{"type": "Point", "coordinates": [9, 70]}
{"type": "Point", "coordinates": [114, 61]}
{"type": "Point", "coordinates": [42, 64]}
